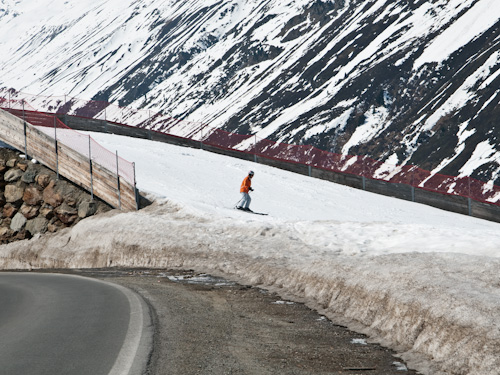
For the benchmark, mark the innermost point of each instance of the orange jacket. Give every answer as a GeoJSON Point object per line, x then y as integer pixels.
{"type": "Point", "coordinates": [245, 185]}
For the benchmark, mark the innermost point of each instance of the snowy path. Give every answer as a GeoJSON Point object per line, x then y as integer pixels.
{"type": "Point", "coordinates": [420, 280]}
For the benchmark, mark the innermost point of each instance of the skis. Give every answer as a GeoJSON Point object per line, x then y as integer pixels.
{"type": "Point", "coordinates": [250, 212]}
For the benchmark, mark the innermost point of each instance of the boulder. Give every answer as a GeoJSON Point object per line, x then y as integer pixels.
{"type": "Point", "coordinates": [28, 211]}
{"type": "Point", "coordinates": [43, 180]}
{"type": "Point", "coordinates": [47, 211]}
{"type": "Point", "coordinates": [54, 226]}
{"type": "Point", "coordinates": [29, 176]}
{"type": "Point", "coordinates": [86, 209]}
{"type": "Point", "coordinates": [22, 165]}
{"type": "Point", "coordinates": [23, 234]}
{"type": "Point", "coordinates": [11, 163]}
{"type": "Point", "coordinates": [66, 214]}
{"type": "Point", "coordinates": [9, 210]}
{"type": "Point", "coordinates": [51, 196]}
{"type": "Point", "coordinates": [37, 225]}
{"type": "Point", "coordinates": [3, 165]}
{"type": "Point", "coordinates": [12, 175]}
{"type": "Point", "coordinates": [18, 222]}
{"type": "Point", "coordinates": [71, 201]}
{"type": "Point", "coordinates": [5, 232]}
{"type": "Point", "coordinates": [14, 193]}
{"type": "Point", "coordinates": [32, 196]}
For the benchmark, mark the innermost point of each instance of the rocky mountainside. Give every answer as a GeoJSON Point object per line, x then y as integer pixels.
{"type": "Point", "coordinates": [406, 81]}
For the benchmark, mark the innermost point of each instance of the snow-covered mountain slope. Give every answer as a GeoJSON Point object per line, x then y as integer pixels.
{"type": "Point", "coordinates": [405, 81]}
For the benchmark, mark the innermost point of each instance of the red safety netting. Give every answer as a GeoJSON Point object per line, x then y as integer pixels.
{"type": "Point", "coordinates": [357, 165]}
{"type": "Point", "coordinates": [111, 161]}
{"type": "Point", "coordinates": [66, 104]}
{"type": "Point", "coordinates": [282, 151]}
{"type": "Point", "coordinates": [222, 139]}
{"type": "Point", "coordinates": [91, 109]}
{"type": "Point", "coordinates": [19, 104]}
{"type": "Point", "coordinates": [302, 154]}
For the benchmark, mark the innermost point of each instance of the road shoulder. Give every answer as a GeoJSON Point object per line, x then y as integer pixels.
{"type": "Point", "coordinates": [206, 325]}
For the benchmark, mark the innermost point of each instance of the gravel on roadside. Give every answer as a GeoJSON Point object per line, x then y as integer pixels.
{"type": "Point", "coordinates": [207, 325]}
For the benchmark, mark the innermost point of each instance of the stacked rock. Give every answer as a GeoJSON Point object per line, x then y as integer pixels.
{"type": "Point", "coordinates": [34, 201]}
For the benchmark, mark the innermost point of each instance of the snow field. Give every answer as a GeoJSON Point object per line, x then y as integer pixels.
{"type": "Point", "coordinates": [417, 279]}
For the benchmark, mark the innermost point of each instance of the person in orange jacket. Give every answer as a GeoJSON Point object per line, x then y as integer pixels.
{"type": "Point", "coordinates": [245, 189]}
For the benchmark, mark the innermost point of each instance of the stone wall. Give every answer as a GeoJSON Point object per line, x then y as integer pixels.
{"type": "Point", "coordinates": [33, 200]}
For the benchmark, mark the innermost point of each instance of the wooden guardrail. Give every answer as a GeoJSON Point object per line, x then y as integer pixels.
{"type": "Point", "coordinates": [69, 163]}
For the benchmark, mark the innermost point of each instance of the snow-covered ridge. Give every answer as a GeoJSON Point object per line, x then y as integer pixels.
{"type": "Point", "coordinates": [391, 80]}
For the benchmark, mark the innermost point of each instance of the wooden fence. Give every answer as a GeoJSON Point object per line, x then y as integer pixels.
{"type": "Point", "coordinates": [76, 167]}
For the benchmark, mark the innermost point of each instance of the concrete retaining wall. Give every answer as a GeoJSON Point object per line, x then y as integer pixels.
{"type": "Point", "coordinates": [451, 203]}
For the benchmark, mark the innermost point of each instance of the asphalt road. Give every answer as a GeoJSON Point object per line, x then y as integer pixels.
{"type": "Point", "coordinates": [64, 324]}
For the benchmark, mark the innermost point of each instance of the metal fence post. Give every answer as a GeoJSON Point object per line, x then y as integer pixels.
{"type": "Point", "coordinates": [363, 178]}
{"type": "Point", "coordinates": [469, 200]}
{"type": "Point", "coordinates": [56, 148]}
{"type": "Point", "coordinates": [91, 171]}
{"type": "Point", "coordinates": [118, 182]}
{"type": "Point", "coordinates": [137, 206]}
{"type": "Point", "coordinates": [201, 136]}
{"type": "Point", "coordinates": [25, 133]}
{"type": "Point", "coordinates": [255, 148]}
{"type": "Point", "coordinates": [413, 185]}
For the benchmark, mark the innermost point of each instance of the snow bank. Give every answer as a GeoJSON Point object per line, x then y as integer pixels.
{"type": "Point", "coordinates": [439, 310]}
